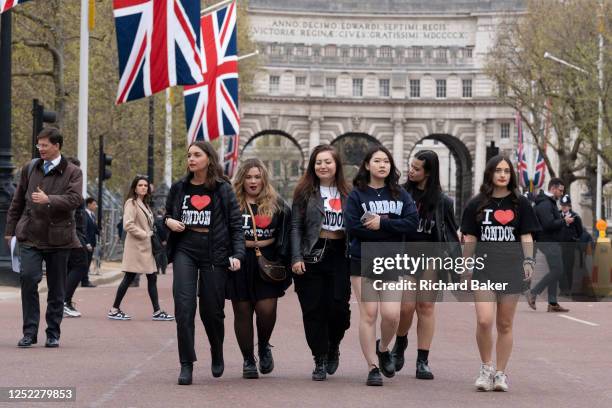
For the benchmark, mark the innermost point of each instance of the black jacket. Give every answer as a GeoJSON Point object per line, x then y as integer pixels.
{"type": "Point", "coordinates": [446, 225]}
{"type": "Point", "coordinates": [306, 223]}
{"type": "Point", "coordinates": [572, 232]}
{"type": "Point", "coordinates": [91, 230]}
{"type": "Point", "coordinates": [282, 243]}
{"type": "Point", "coordinates": [550, 218]}
{"type": "Point", "coordinates": [80, 221]}
{"type": "Point", "coordinates": [226, 236]}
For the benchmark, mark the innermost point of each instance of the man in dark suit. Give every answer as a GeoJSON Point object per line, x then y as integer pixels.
{"type": "Point", "coordinates": [91, 233]}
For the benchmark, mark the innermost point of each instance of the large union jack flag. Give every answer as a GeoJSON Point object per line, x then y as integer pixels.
{"type": "Point", "coordinates": [211, 107]}
{"type": "Point", "coordinates": [157, 42]}
{"type": "Point", "coordinates": [7, 4]}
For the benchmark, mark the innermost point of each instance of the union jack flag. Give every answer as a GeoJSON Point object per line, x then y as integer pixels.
{"type": "Point", "coordinates": [7, 4]}
{"type": "Point", "coordinates": [523, 172]}
{"type": "Point", "coordinates": [230, 157]}
{"type": "Point", "coordinates": [157, 42]}
{"type": "Point", "coordinates": [211, 107]}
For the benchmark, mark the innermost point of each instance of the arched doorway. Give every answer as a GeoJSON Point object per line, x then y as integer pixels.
{"type": "Point", "coordinates": [352, 148]}
{"type": "Point", "coordinates": [456, 172]}
{"type": "Point", "coordinates": [282, 156]}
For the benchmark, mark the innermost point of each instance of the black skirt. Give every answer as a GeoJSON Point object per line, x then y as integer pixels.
{"type": "Point", "coordinates": [246, 284]}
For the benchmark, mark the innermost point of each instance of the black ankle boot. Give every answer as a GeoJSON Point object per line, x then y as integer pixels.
{"type": "Point", "coordinates": [333, 359]}
{"type": "Point", "coordinates": [401, 343]}
{"type": "Point", "coordinates": [216, 365]}
{"type": "Point", "coordinates": [423, 372]}
{"type": "Point", "coordinates": [266, 361]}
{"type": "Point", "coordinates": [320, 371]}
{"type": "Point", "coordinates": [185, 376]}
{"type": "Point", "coordinates": [387, 366]}
{"type": "Point", "coordinates": [249, 369]}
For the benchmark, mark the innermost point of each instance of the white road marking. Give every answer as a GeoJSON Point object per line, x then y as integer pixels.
{"type": "Point", "coordinates": [579, 320]}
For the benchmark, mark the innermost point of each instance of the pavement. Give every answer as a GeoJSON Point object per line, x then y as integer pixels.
{"type": "Point", "coordinates": [558, 360]}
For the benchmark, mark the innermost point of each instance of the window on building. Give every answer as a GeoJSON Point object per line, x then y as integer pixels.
{"type": "Point", "coordinates": [440, 88]}
{"type": "Point", "coordinates": [427, 52]}
{"type": "Point", "coordinates": [440, 54]}
{"type": "Point", "coordinates": [384, 87]}
{"type": "Point", "coordinates": [274, 84]}
{"type": "Point", "coordinates": [300, 50]}
{"type": "Point", "coordinates": [386, 52]}
{"type": "Point", "coordinates": [468, 52]}
{"type": "Point", "coordinates": [415, 88]}
{"type": "Point", "coordinates": [330, 86]}
{"type": "Point", "coordinates": [345, 52]}
{"type": "Point", "coordinates": [359, 52]}
{"type": "Point", "coordinates": [316, 51]}
{"type": "Point", "coordinates": [330, 51]}
{"type": "Point", "coordinates": [502, 90]}
{"type": "Point", "coordinates": [358, 87]}
{"type": "Point", "coordinates": [467, 88]}
{"type": "Point", "coordinates": [416, 53]}
{"type": "Point", "coordinates": [505, 131]}
{"type": "Point", "coordinates": [276, 49]}
{"type": "Point", "coordinates": [300, 84]}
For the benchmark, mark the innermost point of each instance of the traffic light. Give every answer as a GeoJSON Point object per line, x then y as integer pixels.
{"type": "Point", "coordinates": [105, 163]}
{"type": "Point", "coordinates": [39, 117]}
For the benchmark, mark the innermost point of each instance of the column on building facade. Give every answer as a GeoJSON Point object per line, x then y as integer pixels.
{"type": "Point", "coordinates": [398, 143]}
{"type": "Point", "coordinates": [315, 132]}
{"type": "Point", "coordinates": [480, 155]}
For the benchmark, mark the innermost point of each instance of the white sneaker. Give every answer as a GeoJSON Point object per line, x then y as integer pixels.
{"type": "Point", "coordinates": [70, 311]}
{"type": "Point", "coordinates": [500, 382]}
{"type": "Point", "coordinates": [484, 382]}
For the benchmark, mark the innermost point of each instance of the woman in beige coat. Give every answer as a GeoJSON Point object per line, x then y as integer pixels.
{"type": "Point", "coordinates": [138, 252]}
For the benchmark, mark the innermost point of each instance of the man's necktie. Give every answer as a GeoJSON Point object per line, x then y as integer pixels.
{"type": "Point", "coordinates": [47, 166]}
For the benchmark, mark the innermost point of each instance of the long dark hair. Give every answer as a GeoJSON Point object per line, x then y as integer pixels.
{"type": "Point", "coordinates": [309, 183]}
{"type": "Point", "coordinates": [487, 187]}
{"type": "Point", "coordinates": [132, 191]}
{"type": "Point", "coordinates": [362, 178]}
{"type": "Point", "coordinates": [433, 189]}
{"type": "Point", "coordinates": [214, 171]}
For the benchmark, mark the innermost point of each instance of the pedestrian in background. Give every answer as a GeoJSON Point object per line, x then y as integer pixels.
{"type": "Point", "coordinates": [570, 237]}
{"type": "Point", "coordinates": [319, 257]}
{"type": "Point", "coordinates": [206, 239]}
{"type": "Point", "coordinates": [92, 234]}
{"type": "Point", "coordinates": [41, 217]}
{"type": "Point", "coordinates": [266, 223]}
{"type": "Point", "coordinates": [137, 250]}
{"type": "Point", "coordinates": [498, 226]}
{"type": "Point", "coordinates": [378, 210]}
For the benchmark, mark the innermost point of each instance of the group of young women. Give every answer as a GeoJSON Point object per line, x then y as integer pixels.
{"type": "Point", "coordinates": [221, 232]}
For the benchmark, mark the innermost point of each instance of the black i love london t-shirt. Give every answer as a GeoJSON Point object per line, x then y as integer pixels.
{"type": "Point", "coordinates": [197, 206]}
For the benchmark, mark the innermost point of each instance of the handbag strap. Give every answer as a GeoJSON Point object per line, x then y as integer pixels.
{"type": "Point", "coordinates": [257, 251]}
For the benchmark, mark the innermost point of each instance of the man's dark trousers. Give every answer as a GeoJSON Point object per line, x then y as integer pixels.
{"type": "Point", "coordinates": [56, 261]}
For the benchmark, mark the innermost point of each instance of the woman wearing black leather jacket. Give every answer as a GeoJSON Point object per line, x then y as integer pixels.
{"type": "Point", "coordinates": [269, 216]}
{"type": "Point", "coordinates": [206, 240]}
{"type": "Point", "coordinates": [319, 257]}
{"type": "Point", "coordinates": [436, 225]}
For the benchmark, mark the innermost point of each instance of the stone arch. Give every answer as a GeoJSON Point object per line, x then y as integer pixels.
{"type": "Point", "coordinates": [464, 171]}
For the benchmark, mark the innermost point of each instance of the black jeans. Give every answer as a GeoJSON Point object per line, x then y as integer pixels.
{"type": "Point", "coordinates": [193, 269]}
{"type": "Point", "coordinates": [85, 277]}
{"type": "Point", "coordinates": [128, 278]}
{"type": "Point", "coordinates": [552, 251]}
{"type": "Point", "coordinates": [56, 261]}
{"type": "Point", "coordinates": [77, 268]}
{"type": "Point", "coordinates": [324, 291]}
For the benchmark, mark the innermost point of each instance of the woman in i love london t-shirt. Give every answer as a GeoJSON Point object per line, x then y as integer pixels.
{"type": "Point", "coordinates": [318, 257]}
{"type": "Point", "coordinates": [248, 292]}
{"type": "Point", "coordinates": [206, 240]}
{"type": "Point", "coordinates": [378, 209]}
{"type": "Point", "coordinates": [498, 225]}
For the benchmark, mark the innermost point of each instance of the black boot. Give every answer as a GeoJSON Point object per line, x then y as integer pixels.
{"type": "Point", "coordinates": [217, 366]}
{"type": "Point", "coordinates": [387, 367]}
{"type": "Point", "coordinates": [401, 343]}
{"type": "Point", "coordinates": [422, 370]}
{"type": "Point", "coordinates": [266, 362]}
{"type": "Point", "coordinates": [185, 376]}
{"type": "Point", "coordinates": [333, 359]}
{"type": "Point", "coordinates": [374, 377]}
{"type": "Point", "coordinates": [320, 371]}
{"type": "Point", "coordinates": [249, 369]}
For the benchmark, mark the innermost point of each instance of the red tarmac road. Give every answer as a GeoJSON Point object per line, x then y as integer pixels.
{"type": "Point", "coordinates": [557, 362]}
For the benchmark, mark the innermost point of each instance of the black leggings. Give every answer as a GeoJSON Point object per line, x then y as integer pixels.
{"type": "Point", "coordinates": [129, 278]}
{"type": "Point", "coordinates": [265, 309]}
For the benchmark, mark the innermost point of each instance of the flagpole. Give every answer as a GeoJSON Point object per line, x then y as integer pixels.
{"type": "Point", "coordinates": [215, 7]}
{"type": "Point", "coordinates": [83, 92]}
{"type": "Point", "coordinates": [252, 54]}
{"type": "Point", "coordinates": [168, 136]}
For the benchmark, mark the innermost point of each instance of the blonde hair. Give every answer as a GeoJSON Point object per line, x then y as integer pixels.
{"type": "Point", "coordinates": [267, 200]}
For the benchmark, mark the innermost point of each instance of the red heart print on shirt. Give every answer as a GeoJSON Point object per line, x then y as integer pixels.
{"type": "Point", "coordinates": [262, 221]}
{"type": "Point", "coordinates": [503, 216]}
{"type": "Point", "coordinates": [200, 202]}
{"type": "Point", "coordinates": [335, 204]}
